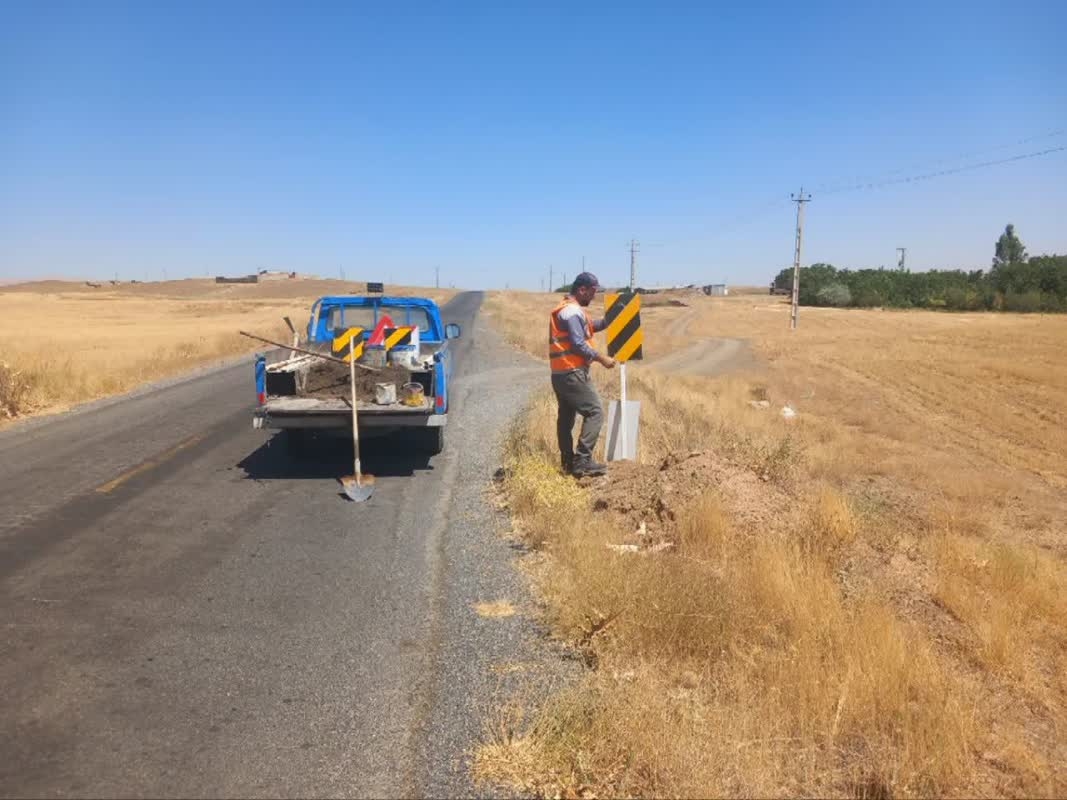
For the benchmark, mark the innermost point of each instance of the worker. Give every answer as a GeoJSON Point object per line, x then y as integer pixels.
{"type": "Point", "coordinates": [570, 351]}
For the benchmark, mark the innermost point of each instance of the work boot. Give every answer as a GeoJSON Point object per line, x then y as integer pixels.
{"type": "Point", "coordinates": [589, 468]}
{"type": "Point", "coordinates": [566, 463]}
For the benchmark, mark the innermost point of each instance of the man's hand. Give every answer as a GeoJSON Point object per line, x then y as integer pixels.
{"type": "Point", "coordinates": [606, 361]}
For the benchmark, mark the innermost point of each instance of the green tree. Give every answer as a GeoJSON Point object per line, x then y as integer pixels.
{"type": "Point", "coordinates": [1010, 249]}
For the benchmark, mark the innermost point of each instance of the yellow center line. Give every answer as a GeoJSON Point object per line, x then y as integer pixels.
{"type": "Point", "coordinates": [152, 463]}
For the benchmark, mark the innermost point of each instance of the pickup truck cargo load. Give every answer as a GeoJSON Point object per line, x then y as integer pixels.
{"type": "Point", "coordinates": [303, 394]}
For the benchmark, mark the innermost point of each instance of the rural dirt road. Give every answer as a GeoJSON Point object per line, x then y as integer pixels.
{"type": "Point", "coordinates": [188, 612]}
{"type": "Point", "coordinates": [703, 356]}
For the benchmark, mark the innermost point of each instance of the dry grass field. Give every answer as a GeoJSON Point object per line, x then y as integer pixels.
{"type": "Point", "coordinates": [65, 343]}
{"type": "Point", "coordinates": [867, 599]}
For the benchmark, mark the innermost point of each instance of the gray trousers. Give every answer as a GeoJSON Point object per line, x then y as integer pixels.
{"type": "Point", "coordinates": [577, 395]}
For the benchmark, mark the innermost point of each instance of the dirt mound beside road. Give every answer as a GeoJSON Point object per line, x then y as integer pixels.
{"type": "Point", "coordinates": [659, 494]}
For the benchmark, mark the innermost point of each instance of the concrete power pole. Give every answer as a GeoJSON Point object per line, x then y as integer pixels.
{"type": "Point", "coordinates": [800, 199]}
{"type": "Point", "coordinates": [900, 261]}
{"type": "Point", "coordinates": [437, 276]}
{"type": "Point", "coordinates": [635, 248]}
{"type": "Point", "coordinates": [551, 286]}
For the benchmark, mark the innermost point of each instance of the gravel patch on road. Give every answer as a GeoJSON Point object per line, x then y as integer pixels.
{"type": "Point", "coordinates": [483, 658]}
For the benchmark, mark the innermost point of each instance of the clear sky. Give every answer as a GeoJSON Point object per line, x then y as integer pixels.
{"type": "Point", "coordinates": [495, 139]}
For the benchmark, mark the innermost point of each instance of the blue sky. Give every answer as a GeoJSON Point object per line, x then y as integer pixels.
{"type": "Point", "coordinates": [495, 139]}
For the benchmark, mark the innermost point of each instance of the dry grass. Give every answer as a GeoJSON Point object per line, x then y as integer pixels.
{"type": "Point", "coordinates": [67, 343]}
{"type": "Point", "coordinates": [895, 626]}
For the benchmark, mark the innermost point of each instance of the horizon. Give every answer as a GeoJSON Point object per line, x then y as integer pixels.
{"type": "Point", "coordinates": [497, 143]}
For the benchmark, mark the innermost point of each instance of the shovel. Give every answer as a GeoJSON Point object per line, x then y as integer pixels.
{"type": "Point", "coordinates": [358, 487]}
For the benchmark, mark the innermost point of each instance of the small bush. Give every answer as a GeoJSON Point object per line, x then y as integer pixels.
{"type": "Point", "coordinates": [869, 298]}
{"type": "Point", "coordinates": [1023, 302]}
{"type": "Point", "coordinates": [831, 525]}
{"type": "Point", "coordinates": [957, 299]}
{"type": "Point", "coordinates": [14, 391]}
{"type": "Point", "coordinates": [835, 294]}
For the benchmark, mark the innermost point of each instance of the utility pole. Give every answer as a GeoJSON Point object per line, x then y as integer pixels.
{"type": "Point", "coordinates": [900, 262]}
{"type": "Point", "coordinates": [800, 199]}
{"type": "Point", "coordinates": [551, 286]}
{"type": "Point", "coordinates": [437, 276]}
{"type": "Point", "coordinates": [635, 248]}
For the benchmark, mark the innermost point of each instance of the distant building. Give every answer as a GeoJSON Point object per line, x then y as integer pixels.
{"type": "Point", "coordinates": [716, 290]}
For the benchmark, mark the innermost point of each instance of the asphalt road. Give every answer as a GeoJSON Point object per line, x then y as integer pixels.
{"type": "Point", "coordinates": [187, 611]}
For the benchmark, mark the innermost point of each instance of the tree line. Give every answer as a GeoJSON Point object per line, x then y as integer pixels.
{"type": "Point", "coordinates": [1015, 282]}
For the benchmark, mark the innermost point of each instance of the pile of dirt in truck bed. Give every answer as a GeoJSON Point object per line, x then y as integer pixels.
{"type": "Point", "coordinates": [658, 495]}
{"type": "Point", "coordinates": [330, 379]}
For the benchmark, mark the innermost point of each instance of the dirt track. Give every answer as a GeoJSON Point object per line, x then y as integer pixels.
{"type": "Point", "coordinates": [708, 357]}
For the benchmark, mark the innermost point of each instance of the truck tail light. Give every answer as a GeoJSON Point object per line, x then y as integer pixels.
{"type": "Point", "coordinates": [439, 401]}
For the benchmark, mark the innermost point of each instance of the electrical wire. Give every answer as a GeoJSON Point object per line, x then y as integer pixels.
{"type": "Point", "coordinates": [920, 166]}
{"type": "Point", "coordinates": [942, 172]}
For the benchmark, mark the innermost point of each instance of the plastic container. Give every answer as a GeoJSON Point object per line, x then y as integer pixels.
{"type": "Point", "coordinates": [385, 393]}
{"type": "Point", "coordinates": [403, 355]}
{"type": "Point", "coordinates": [374, 356]}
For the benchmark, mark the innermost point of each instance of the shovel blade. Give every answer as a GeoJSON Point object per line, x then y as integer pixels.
{"type": "Point", "coordinates": [358, 488]}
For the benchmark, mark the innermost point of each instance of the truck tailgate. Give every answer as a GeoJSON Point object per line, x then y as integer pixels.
{"type": "Point", "coordinates": [285, 412]}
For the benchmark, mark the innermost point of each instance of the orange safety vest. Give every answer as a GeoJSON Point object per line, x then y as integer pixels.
{"type": "Point", "coordinates": [560, 353]}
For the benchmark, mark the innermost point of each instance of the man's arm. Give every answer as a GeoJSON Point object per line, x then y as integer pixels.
{"type": "Point", "coordinates": [576, 329]}
{"type": "Point", "coordinates": [599, 325]}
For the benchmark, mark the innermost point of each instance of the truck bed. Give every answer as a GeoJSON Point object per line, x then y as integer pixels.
{"type": "Point", "coordinates": [305, 392]}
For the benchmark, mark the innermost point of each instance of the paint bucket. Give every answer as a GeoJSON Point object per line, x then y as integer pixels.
{"type": "Point", "coordinates": [412, 394]}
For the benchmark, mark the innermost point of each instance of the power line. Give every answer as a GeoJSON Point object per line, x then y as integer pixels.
{"type": "Point", "coordinates": [759, 211]}
{"type": "Point", "coordinates": [943, 172]}
{"type": "Point", "coordinates": [763, 210]}
{"type": "Point", "coordinates": [830, 187]}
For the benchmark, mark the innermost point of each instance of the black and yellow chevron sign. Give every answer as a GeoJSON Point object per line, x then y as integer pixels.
{"type": "Point", "coordinates": [396, 336]}
{"type": "Point", "coordinates": [341, 344]}
{"type": "Point", "coordinates": [622, 313]}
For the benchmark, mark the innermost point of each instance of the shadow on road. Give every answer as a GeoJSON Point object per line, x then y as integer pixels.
{"type": "Point", "coordinates": [323, 456]}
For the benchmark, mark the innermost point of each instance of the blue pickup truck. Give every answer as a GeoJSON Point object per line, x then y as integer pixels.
{"type": "Point", "coordinates": [286, 398]}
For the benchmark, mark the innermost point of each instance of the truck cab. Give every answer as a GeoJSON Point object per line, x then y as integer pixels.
{"type": "Point", "coordinates": [330, 315]}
